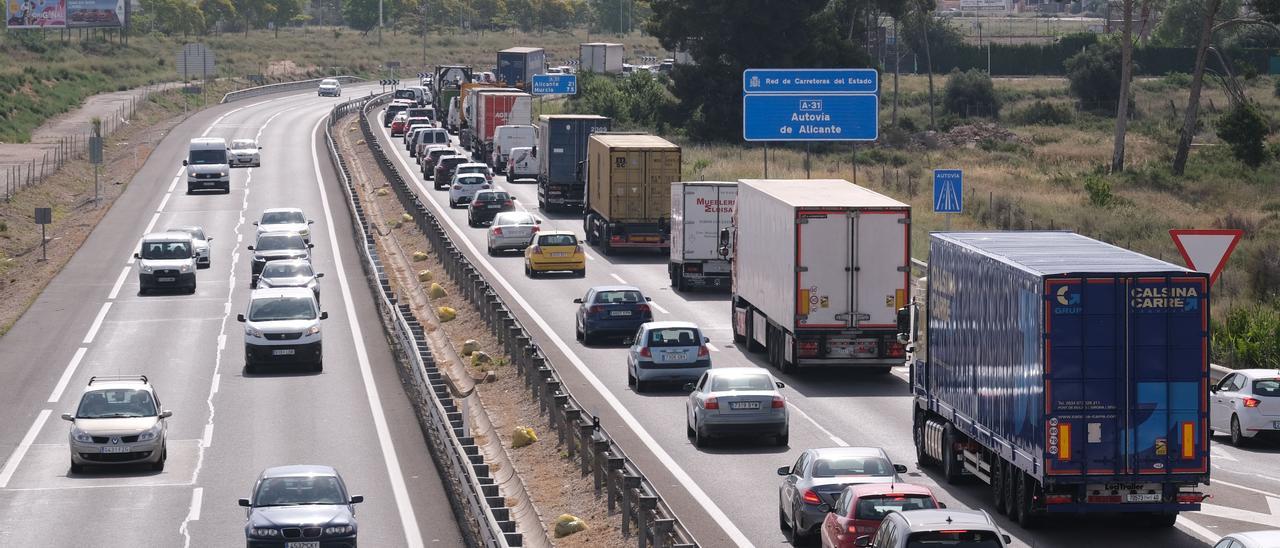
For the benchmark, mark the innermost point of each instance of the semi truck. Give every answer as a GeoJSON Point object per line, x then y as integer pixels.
{"type": "Point", "coordinates": [628, 198]}
{"type": "Point", "coordinates": [448, 81]}
{"type": "Point", "coordinates": [561, 151]}
{"type": "Point", "coordinates": [699, 211]}
{"type": "Point", "coordinates": [467, 105]}
{"type": "Point", "coordinates": [820, 268]}
{"type": "Point", "coordinates": [600, 57]}
{"type": "Point", "coordinates": [516, 66]}
{"type": "Point", "coordinates": [1069, 374]}
{"type": "Point", "coordinates": [491, 110]}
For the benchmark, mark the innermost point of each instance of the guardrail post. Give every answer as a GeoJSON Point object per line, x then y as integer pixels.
{"type": "Point", "coordinates": [572, 417]}
{"type": "Point", "coordinates": [647, 504]}
{"type": "Point", "coordinates": [662, 529]}
{"type": "Point", "coordinates": [586, 430]}
{"type": "Point", "coordinates": [600, 452]}
{"type": "Point", "coordinates": [630, 484]}
{"type": "Point", "coordinates": [612, 479]}
{"type": "Point", "coordinates": [540, 388]}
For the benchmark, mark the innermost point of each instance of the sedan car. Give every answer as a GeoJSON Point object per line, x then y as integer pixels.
{"type": "Point", "coordinates": [511, 230]}
{"type": "Point", "coordinates": [244, 152]}
{"type": "Point", "coordinates": [119, 421]}
{"type": "Point", "coordinates": [275, 246]}
{"type": "Point", "coordinates": [329, 87]}
{"type": "Point", "coordinates": [302, 506]}
{"type": "Point", "coordinates": [552, 251]}
{"type": "Point", "coordinates": [616, 310]}
{"type": "Point", "coordinates": [1246, 404]}
{"type": "Point", "coordinates": [1252, 539]}
{"type": "Point", "coordinates": [290, 273]}
{"type": "Point", "coordinates": [200, 243]}
{"type": "Point", "coordinates": [736, 401]}
{"type": "Point", "coordinates": [464, 187]}
{"type": "Point", "coordinates": [486, 205]}
{"type": "Point", "coordinates": [285, 219]}
{"type": "Point", "coordinates": [667, 352]}
{"type": "Point", "coordinates": [818, 477]}
{"type": "Point", "coordinates": [860, 508]}
{"type": "Point", "coordinates": [475, 167]}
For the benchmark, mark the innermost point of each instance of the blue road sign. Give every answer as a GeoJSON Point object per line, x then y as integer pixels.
{"type": "Point", "coordinates": [555, 84]}
{"type": "Point", "coordinates": [948, 191]}
{"type": "Point", "coordinates": [810, 117]}
{"type": "Point", "coordinates": [846, 80]}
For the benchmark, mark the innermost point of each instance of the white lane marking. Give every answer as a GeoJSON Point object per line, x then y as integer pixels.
{"type": "Point", "coordinates": [1197, 529]}
{"type": "Point", "coordinates": [115, 289]}
{"type": "Point", "coordinates": [207, 439]}
{"type": "Point", "coordinates": [164, 202]}
{"type": "Point", "coordinates": [151, 224]}
{"type": "Point", "coordinates": [1219, 453]}
{"type": "Point", "coordinates": [407, 517]}
{"type": "Point", "coordinates": [834, 439]}
{"type": "Point", "coordinates": [97, 323]}
{"type": "Point", "coordinates": [222, 339]}
{"type": "Point", "coordinates": [712, 347]}
{"type": "Point", "coordinates": [193, 514]}
{"type": "Point", "coordinates": [106, 486]}
{"type": "Point", "coordinates": [20, 451]}
{"type": "Point", "coordinates": [173, 184]}
{"type": "Point", "coordinates": [617, 277]}
{"type": "Point", "coordinates": [661, 454]}
{"type": "Point", "coordinates": [658, 307]}
{"type": "Point", "coordinates": [66, 375]}
{"type": "Point", "coordinates": [1245, 488]}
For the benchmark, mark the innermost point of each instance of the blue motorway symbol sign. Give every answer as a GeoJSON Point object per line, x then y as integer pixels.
{"type": "Point", "coordinates": [948, 191]}
{"type": "Point", "coordinates": [866, 81]}
{"type": "Point", "coordinates": [555, 84]}
{"type": "Point", "coordinates": [810, 117]}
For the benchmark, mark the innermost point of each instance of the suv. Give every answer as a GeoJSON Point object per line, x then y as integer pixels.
{"type": "Point", "coordinates": [283, 324]}
{"type": "Point", "coordinates": [208, 165]}
{"type": "Point", "coordinates": [119, 421]}
{"type": "Point", "coordinates": [444, 169]}
{"type": "Point", "coordinates": [329, 87]}
{"type": "Point", "coordinates": [428, 157]}
{"type": "Point", "coordinates": [274, 246]}
{"type": "Point", "coordinates": [396, 107]}
{"type": "Point", "coordinates": [167, 260]}
{"type": "Point", "coordinates": [953, 528]}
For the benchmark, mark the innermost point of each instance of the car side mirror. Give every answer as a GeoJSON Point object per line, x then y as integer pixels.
{"type": "Point", "coordinates": [688, 387]}
{"type": "Point", "coordinates": [259, 148]}
{"type": "Point", "coordinates": [357, 499]}
{"type": "Point", "coordinates": [184, 162]}
{"type": "Point", "coordinates": [514, 199]}
{"type": "Point", "coordinates": [824, 508]}
{"type": "Point", "coordinates": [537, 221]}
{"type": "Point", "coordinates": [320, 275]}
{"type": "Point", "coordinates": [942, 505]}
{"type": "Point", "coordinates": [309, 221]}
{"type": "Point", "coordinates": [1005, 537]}
{"type": "Point", "coordinates": [137, 255]}
{"type": "Point", "coordinates": [779, 384]}
{"type": "Point", "coordinates": [244, 502]}
{"type": "Point", "coordinates": [324, 315]}
{"type": "Point", "coordinates": [706, 339]}
{"type": "Point", "coordinates": [1214, 389]}
{"type": "Point", "coordinates": [900, 468]}
{"type": "Point", "coordinates": [255, 223]}
{"type": "Point", "coordinates": [209, 239]}
{"type": "Point", "coordinates": [648, 299]}
{"type": "Point", "coordinates": [68, 417]}
{"type": "Point", "coordinates": [250, 248]}
{"type": "Point", "coordinates": [311, 246]}
{"type": "Point", "coordinates": [862, 541]}
{"type": "Point", "coordinates": [784, 470]}
{"type": "Point", "coordinates": [577, 301]}
{"type": "Point", "coordinates": [166, 414]}
{"type": "Point", "coordinates": [240, 318]}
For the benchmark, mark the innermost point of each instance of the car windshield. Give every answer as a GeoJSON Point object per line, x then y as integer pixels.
{"type": "Point", "coordinates": [286, 270]}
{"type": "Point", "coordinates": [328, 82]}
{"type": "Point", "coordinates": [195, 231]}
{"type": "Point", "coordinates": [274, 309]}
{"type": "Point", "coordinates": [436, 154]}
{"type": "Point", "coordinates": [471, 180]}
{"type": "Point", "coordinates": [513, 219]}
{"type": "Point", "coordinates": [452, 162]}
{"type": "Point", "coordinates": [492, 197]}
{"type": "Point", "coordinates": [273, 242]}
{"type": "Point", "coordinates": [557, 239]}
{"type": "Point", "coordinates": [300, 490]}
{"type": "Point", "coordinates": [243, 143]}
{"type": "Point", "coordinates": [282, 217]}
{"type": "Point", "coordinates": [207, 157]}
{"type": "Point", "coordinates": [166, 250]}
{"type": "Point", "coordinates": [1266, 387]}
{"type": "Point", "coordinates": [116, 403]}
{"type": "Point", "coordinates": [673, 336]}
{"type": "Point", "coordinates": [405, 94]}
{"type": "Point", "coordinates": [954, 539]}
{"type": "Point", "coordinates": [473, 169]}
{"type": "Point", "coordinates": [618, 296]}
{"type": "Point", "coordinates": [876, 506]}
{"type": "Point", "coordinates": [870, 465]}
{"type": "Point", "coordinates": [729, 383]}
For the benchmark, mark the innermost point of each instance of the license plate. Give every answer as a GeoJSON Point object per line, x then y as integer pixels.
{"type": "Point", "coordinates": [116, 449]}
{"type": "Point", "coordinates": [303, 544]}
{"type": "Point", "coordinates": [208, 183]}
{"type": "Point", "coordinates": [645, 238]}
{"type": "Point", "coordinates": [677, 356]}
{"type": "Point", "coordinates": [620, 313]}
{"type": "Point", "coordinates": [744, 405]}
{"type": "Point", "coordinates": [494, 206]}
{"type": "Point", "coordinates": [164, 279]}
{"type": "Point", "coordinates": [563, 254]}
{"type": "Point", "coordinates": [1142, 497]}
{"type": "Point", "coordinates": [282, 352]}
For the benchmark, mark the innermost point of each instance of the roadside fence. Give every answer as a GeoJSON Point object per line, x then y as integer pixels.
{"type": "Point", "coordinates": [284, 86]}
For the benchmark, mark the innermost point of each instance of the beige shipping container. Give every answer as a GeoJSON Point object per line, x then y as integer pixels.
{"type": "Point", "coordinates": [629, 176]}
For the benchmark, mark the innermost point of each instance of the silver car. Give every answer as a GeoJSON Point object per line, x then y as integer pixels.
{"type": "Point", "coordinates": [199, 242]}
{"type": "Point", "coordinates": [817, 478]}
{"type": "Point", "coordinates": [512, 230]}
{"type": "Point", "coordinates": [245, 152]}
{"type": "Point", "coordinates": [736, 401]}
{"type": "Point", "coordinates": [1252, 539]}
{"type": "Point", "coordinates": [290, 273]}
{"type": "Point", "coordinates": [284, 219]}
{"type": "Point", "coordinates": [119, 421]}
{"type": "Point", "coordinates": [667, 352]}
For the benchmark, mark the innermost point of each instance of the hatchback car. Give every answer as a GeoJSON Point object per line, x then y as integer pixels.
{"type": "Point", "coordinates": [818, 477]}
{"type": "Point", "coordinates": [950, 528]}
{"type": "Point", "coordinates": [736, 401]}
{"type": "Point", "coordinates": [552, 251]}
{"type": "Point", "coordinates": [427, 160]}
{"type": "Point", "coordinates": [1246, 404]}
{"type": "Point", "coordinates": [329, 87]}
{"type": "Point", "coordinates": [300, 506]}
{"type": "Point", "coordinates": [667, 352]}
{"type": "Point", "coordinates": [290, 273]}
{"type": "Point", "coordinates": [274, 246]}
{"type": "Point", "coordinates": [1251, 539]}
{"type": "Point", "coordinates": [860, 508]}
{"type": "Point", "coordinates": [285, 219]}
{"type": "Point", "coordinates": [245, 152]}
{"type": "Point", "coordinates": [199, 241]}
{"type": "Point", "coordinates": [486, 205]}
{"type": "Point", "coordinates": [399, 124]}
{"type": "Point", "coordinates": [283, 325]}
{"type": "Point", "coordinates": [475, 167]}
{"type": "Point", "coordinates": [464, 187]}
{"type": "Point", "coordinates": [444, 169]}
{"type": "Point", "coordinates": [167, 260]}
{"type": "Point", "coordinates": [119, 421]}
{"type": "Point", "coordinates": [511, 230]}
{"type": "Point", "coordinates": [611, 310]}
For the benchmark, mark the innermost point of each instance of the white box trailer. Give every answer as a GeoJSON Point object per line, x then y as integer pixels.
{"type": "Point", "coordinates": [820, 268]}
{"type": "Point", "coordinates": [699, 211]}
{"type": "Point", "coordinates": [600, 57]}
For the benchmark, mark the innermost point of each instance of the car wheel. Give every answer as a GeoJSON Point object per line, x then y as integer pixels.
{"type": "Point", "coordinates": [631, 380]}
{"type": "Point", "coordinates": [577, 331]}
{"type": "Point", "coordinates": [528, 271]}
{"type": "Point", "coordinates": [587, 337]}
{"type": "Point", "coordinates": [159, 464]}
{"type": "Point", "coordinates": [249, 366]}
{"type": "Point", "coordinates": [77, 468]}
{"type": "Point", "coordinates": [318, 366]}
{"type": "Point", "coordinates": [493, 252]}
{"type": "Point", "coordinates": [688, 433]}
{"type": "Point", "coordinates": [799, 535]}
{"type": "Point", "coordinates": [581, 273]}
{"type": "Point", "coordinates": [1237, 437]}
{"type": "Point", "coordinates": [783, 439]}
{"type": "Point", "coordinates": [700, 440]}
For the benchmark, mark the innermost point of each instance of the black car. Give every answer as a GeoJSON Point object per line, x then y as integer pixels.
{"type": "Point", "coordinates": [486, 205]}
{"type": "Point", "coordinates": [303, 504]}
{"type": "Point", "coordinates": [273, 246]}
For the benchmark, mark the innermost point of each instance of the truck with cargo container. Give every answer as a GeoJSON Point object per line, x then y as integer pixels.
{"type": "Point", "coordinates": [820, 268]}
{"type": "Point", "coordinates": [447, 83]}
{"type": "Point", "coordinates": [1069, 374]}
{"type": "Point", "coordinates": [600, 57]}
{"type": "Point", "coordinates": [561, 151]}
{"type": "Point", "coordinates": [492, 109]}
{"type": "Point", "coordinates": [628, 194]}
{"type": "Point", "coordinates": [699, 211]}
{"type": "Point", "coordinates": [516, 66]}
{"type": "Point", "coordinates": [466, 101]}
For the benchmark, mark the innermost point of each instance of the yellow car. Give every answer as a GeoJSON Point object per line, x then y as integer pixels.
{"type": "Point", "coordinates": [555, 250]}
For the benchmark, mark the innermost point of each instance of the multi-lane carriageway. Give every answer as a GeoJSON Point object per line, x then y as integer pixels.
{"type": "Point", "coordinates": [227, 426]}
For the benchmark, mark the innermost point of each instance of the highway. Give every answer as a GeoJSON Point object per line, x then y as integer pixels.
{"type": "Point", "coordinates": [727, 494]}
{"type": "Point", "coordinates": [226, 426]}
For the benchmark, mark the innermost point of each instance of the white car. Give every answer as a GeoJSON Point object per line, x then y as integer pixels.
{"type": "Point", "coordinates": [1252, 539]}
{"type": "Point", "coordinates": [329, 87]}
{"type": "Point", "coordinates": [736, 401]}
{"type": "Point", "coordinates": [282, 325]}
{"type": "Point", "coordinates": [245, 152]}
{"type": "Point", "coordinates": [284, 219]}
{"type": "Point", "coordinates": [667, 352]}
{"type": "Point", "coordinates": [167, 260]}
{"type": "Point", "coordinates": [1246, 404]}
{"type": "Point", "coordinates": [464, 188]}
{"type": "Point", "coordinates": [200, 241]}
{"type": "Point", "coordinates": [475, 167]}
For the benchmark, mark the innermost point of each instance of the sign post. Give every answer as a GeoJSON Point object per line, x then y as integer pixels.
{"type": "Point", "coordinates": [44, 216]}
{"type": "Point", "coordinates": [948, 192]}
{"type": "Point", "coordinates": [810, 105]}
{"type": "Point", "coordinates": [1206, 250]}
{"type": "Point", "coordinates": [95, 158]}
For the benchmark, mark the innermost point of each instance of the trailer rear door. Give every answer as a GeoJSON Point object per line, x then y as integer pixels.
{"type": "Point", "coordinates": [824, 261]}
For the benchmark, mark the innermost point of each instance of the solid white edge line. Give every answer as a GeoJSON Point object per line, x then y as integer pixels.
{"type": "Point", "coordinates": [151, 224]}
{"type": "Point", "coordinates": [1245, 488]}
{"type": "Point", "coordinates": [164, 201]}
{"type": "Point", "coordinates": [11, 465]}
{"type": "Point", "coordinates": [97, 323]}
{"type": "Point", "coordinates": [207, 438]}
{"type": "Point", "coordinates": [704, 500]}
{"type": "Point", "coordinates": [115, 289]}
{"type": "Point", "coordinates": [617, 277]}
{"type": "Point", "coordinates": [834, 438]}
{"type": "Point", "coordinates": [658, 307]}
{"type": "Point", "coordinates": [407, 517]}
{"type": "Point", "coordinates": [66, 375]}
{"type": "Point", "coordinates": [1197, 529]}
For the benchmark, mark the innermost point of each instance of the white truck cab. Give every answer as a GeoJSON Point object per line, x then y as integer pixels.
{"type": "Point", "coordinates": [523, 163]}
{"type": "Point", "coordinates": [208, 165]}
{"type": "Point", "coordinates": [506, 138]}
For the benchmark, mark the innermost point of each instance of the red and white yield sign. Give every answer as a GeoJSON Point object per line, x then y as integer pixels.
{"type": "Point", "coordinates": [1206, 250]}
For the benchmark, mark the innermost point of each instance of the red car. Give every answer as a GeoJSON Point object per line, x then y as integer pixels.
{"type": "Point", "coordinates": [398, 126]}
{"type": "Point", "coordinates": [860, 508]}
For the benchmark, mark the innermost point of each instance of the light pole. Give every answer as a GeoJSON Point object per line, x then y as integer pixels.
{"type": "Point", "coordinates": [379, 23]}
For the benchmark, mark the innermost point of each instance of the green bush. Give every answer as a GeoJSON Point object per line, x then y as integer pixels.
{"type": "Point", "coordinates": [1099, 190]}
{"type": "Point", "coordinates": [1249, 338]}
{"type": "Point", "coordinates": [1043, 113]}
{"type": "Point", "coordinates": [970, 93]}
{"type": "Point", "coordinates": [1095, 77]}
{"type": "Point", "coordinates": [1246, 130]}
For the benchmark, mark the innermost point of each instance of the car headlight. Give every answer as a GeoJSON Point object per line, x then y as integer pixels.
{"type": "Point", "coordinates": [80, 436]}
{"type": "Point", "coordinates": [145, 268]}
{"type": "Point", "coordinates": [264, 282]}
{"type": "Point", "coordinates": [222, 174]}
{"type": "Point", "coordinates": [151, 434]}
{"type": "Point", "coordinates": [339, 530]}
{"type": "Point", "coordinates": [313, 330]}
{"type": "Point", "coordinates": [252, 331]}
{"type": "Point", "coordinates": [305, 232]}
{"type": "Point", "coordinates": [184, 268]}
{"type": "Point", "coordinates": [264, 532]}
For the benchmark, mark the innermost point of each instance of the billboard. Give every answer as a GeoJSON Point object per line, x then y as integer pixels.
{"type": "Point", "coordinates": [95, 13]}
{"type": "Point", "coordinates": [35, 14]}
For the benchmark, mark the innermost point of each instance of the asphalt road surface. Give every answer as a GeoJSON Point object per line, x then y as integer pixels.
{"type": "Point", "coordinates": [226, 426]}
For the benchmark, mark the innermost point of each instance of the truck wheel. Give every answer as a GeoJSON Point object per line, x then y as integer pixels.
{"type": "Point", "coordinates": [1009, 490]}
{"type": "Point", "coordinates": [917, 433]}
{"type": "Point", "coordinates": [1161, 520]}
{"type": "Point", "coordinates": [997, 485]}
{"type": "Point", "coordinates": [752, 345]}
{"type": "Point", "coordinates": [950, 469]}
{"type": "Point", "coordinates": [1027, 517]}
{"type": "Point", "coordinates": [606, 241]}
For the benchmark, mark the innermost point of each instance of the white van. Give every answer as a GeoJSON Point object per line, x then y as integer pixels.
{"type": "Point", "coordinates": [454, 119]}
{"type": "Point", "coordinates": [167, 260]}
{"type": "Point", "coordinates": [523, 164]}
{"type": "Point", "coordinates": [282, 325]}
{"type": "Point", "coordinates": [506, 138]}
{"type": "Point", "coordinates": [208, 166]}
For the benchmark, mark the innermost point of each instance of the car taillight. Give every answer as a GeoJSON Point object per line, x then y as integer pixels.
{"type": "Point", "coordinates": [497, 231]}
{"type": "Point", "coordinates": [807, 348]}
{"type": "Point", "coordinates": [1251, 402]}
{"type": "Point", "coordinates": [810, 497]}
{"type": "Point", "coordinates": [537, 250]}
{"type": "Point", "coordinates": [710, 403]}
{"type": "Point", "coordinates": [645, 353]}
{"type": "Point", "coordinates": [643, 308]}
{"type": "Point", "coordinates": [577, 248]}
{"type": "Point", "coordinates": [507, 203]}
{"type": "Point", "coordinates": [703, 352]}
{"type": "Point", "coordinates": [534, 228]}
{"type": "Point", "coordinates": [595, 309]}
{"type": "Point", "coordinates": [778, 402]}
{"type": "Point", "coordinates": [692, 267]}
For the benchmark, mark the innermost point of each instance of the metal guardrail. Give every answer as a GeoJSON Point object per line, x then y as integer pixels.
{"type": "Point", "coordinates": [284, 86]}
{"type": "Point", "coordinates": [643, 512]}
{"type": "Point", "coordinates": [483, 517]}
